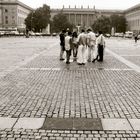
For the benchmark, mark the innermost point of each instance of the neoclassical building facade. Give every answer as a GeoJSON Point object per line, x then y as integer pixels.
{"type": "Point", "coordinates": [133, 18]}
{"type": "Point", "coordinates": [13, 14]}
{"type": "Point", "coordinates": [84, 16]}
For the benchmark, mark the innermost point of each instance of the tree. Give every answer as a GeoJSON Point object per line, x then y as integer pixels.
{"type": "Point", "coordinates": [61, 22]}
{"type": "Point", "coordinates": [102, 24]}
{"type": "Point", "coordinates": [38, 19]}
{"type": "Point", "coordinates": [119, 23]}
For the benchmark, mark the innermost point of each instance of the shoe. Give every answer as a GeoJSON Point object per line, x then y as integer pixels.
{"type": "Point", "coordinates": [99, 60]}
{"type": "Point", "coordinates": [83, 63]}
{"type": "Point", "coordinates": [93, 60]}
{"type": "Point", "coordinates": [79, 63]}
{"type": "Point", "coordinates": [67, 62]}
{"type": "Point", "coordinates": [61, 59]}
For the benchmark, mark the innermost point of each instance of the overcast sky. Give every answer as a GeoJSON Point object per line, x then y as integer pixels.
{"type": "Point", "coordinates": [99, 4]}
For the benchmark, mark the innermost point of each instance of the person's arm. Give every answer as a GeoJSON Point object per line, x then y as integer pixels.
{"type": "Point", "coordinates": [78, 39]}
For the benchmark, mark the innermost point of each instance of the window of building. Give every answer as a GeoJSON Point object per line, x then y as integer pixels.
{"type": "Point", "coordinates": [6, 19]}
{"type": "Point", "coordinates": [6, 11]}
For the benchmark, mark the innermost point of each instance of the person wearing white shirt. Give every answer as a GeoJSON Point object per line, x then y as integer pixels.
{"type": "Point", "coordinates": [82, 42]}
{"type": "Point", "coordinates": [100, 42]}
{"type": "Point", "coordinates": [91, 41]}
{"type": "Point", "coordinates": [68, 47]}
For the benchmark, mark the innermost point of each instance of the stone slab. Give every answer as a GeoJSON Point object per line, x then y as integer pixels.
{"type": "Point", "coordinates": [58, 124]}
{"type": "Point", "coordinates": [116, 124]}
{"type": "Point", "coordinates": [135, 123]}
{"type": "Point", "coordinates": [72, 124]}
{"type": "Point", "coordinates": [7, 122]}
{"type": "Point", "coordinates": [29, 123]}
{"type": "Point", "coordinates": [87, 124]}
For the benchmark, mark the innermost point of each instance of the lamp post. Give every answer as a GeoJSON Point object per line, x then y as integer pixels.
{"type": "Point", "coordinates": [78, 27]}
{"type": "Point", "coordinates": [32, 20]}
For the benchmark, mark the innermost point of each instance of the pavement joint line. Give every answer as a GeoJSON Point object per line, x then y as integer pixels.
{"type": "Point", "coordinates": [130, 123]}
{"type": "Point", "coordinates": [58, 69]}
{"type": "Point", "coordinates": [15, 123]}
{"type": "Point", "coordinates": [20, 64]}
{"type": "Point", "coordinates": [128, 63]}
{"type": "Point", "coordinates": [13, 68]}
{"type": "Point", "coordinates": [130, 55]}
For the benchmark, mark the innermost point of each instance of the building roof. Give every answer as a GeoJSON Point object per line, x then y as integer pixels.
{"type": "Point", "coordinates": [15, 2]}
{"type": "Point", "coordinates": [133, 8]}
{"type": "Point", "coordinates": [87, 10]}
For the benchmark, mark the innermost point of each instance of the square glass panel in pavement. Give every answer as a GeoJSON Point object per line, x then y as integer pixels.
{"type": "Point", "coordinates": [58, 124]}
{"type": "Point", "coordinates": [87, 124]}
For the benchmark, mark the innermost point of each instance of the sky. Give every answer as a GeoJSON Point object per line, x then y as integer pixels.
{"type": "Point", "coordinates": [99, 4]}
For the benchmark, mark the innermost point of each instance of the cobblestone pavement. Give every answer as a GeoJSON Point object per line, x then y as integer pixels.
{"type": "Point", "coordinates": [35, 84]}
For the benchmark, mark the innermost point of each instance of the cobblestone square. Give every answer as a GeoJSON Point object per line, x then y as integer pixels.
{"type": "Point", "coordinates": [34, 83]}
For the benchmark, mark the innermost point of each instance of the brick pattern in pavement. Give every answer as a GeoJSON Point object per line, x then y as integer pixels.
{"type": "Point", "coordinates": [70, 93]}
{"type": "Point", "coordinates": [22, 134]}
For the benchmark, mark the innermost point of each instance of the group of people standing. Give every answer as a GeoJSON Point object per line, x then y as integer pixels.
{"type": "Point", "coordinates": [80, 44]}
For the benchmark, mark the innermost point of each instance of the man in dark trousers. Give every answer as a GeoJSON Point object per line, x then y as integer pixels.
{"type": "Point", "coordinates": [100, 45]}
{"type": "Point", "coordinates": [62, 44]}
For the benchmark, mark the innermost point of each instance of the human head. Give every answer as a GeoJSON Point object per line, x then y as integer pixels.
{"type": "Point", "coordinates": [89, 30]}
{"type": "Point", "coordinates": [63, 31]}
{"type": "Point", "coordinates": [100, 32]}
{"type": "Point", "coordinates": [69, 33]}
{"type": "Point", "coordinates": [83, 31]}
{"type": "Point", "coordinates": [74, 34]}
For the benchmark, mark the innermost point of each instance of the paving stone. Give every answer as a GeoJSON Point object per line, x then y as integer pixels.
{"type": "Point", "coordinates": [29, 123]}
{"type": "Point", "coordinates": [72, 124]}
{"type": "Point", "coordinates": [7, 122]}
{"type": "Point", "coordinates": [135, 123]}
{"type": "Point", "coordinates": [115, 124]}
{"type": "Point", "coordinates": [87, 124]}
{"type": "Point", "coordinates": [33, 86]}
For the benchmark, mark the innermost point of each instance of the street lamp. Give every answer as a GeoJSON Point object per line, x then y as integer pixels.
{"type": "Point", "coordinates": [32, 20]}
{"type": "Point", "coordinates": [78, 27]}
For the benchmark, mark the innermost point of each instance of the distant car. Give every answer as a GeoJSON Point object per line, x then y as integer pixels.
{"type": "Point", "coordinates": [38, 34]}
{"type": "Point", "coordinates": [128, 34]}
{"type": "Point", "coordinates": [31, 33]}
{"type": "Point", "coordinates": [1, 33]}
{"type": "Point", "coordinates": [107, 35]}
{"type": "Point", "coordinates": [121, 35]}
{"type": "Point", "coordinates": [54, 34]}
{"type": "Point", "coordinates": [138, 36]}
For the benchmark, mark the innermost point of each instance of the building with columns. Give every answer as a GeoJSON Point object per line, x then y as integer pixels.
{"type": "Point", "coordinates": [84, 16]}
{"type": "Point", "coordinates": [133, 18]}
{"type": "Point", "coordinates": [13, 14]}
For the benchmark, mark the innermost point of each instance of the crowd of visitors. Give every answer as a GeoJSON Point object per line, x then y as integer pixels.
{"type": "Point", "coordinates": [83, 47]}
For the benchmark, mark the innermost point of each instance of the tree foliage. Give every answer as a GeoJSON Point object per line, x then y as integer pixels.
{"type": "Point", "coordinates": [102, 24]}
{"type": "Point", "coordinates": [118, 22]}
{"type": "Point", "coordinates": [61, 22]}
{"type": "Point", "coordinates": [106, 23]}
{"type": "Point", "coordinates": [38, 19]}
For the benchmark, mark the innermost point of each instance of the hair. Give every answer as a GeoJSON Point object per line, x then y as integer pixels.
{"type": "Point", "coordinates": [74, 34]}
{"type": "Point", "coordinates": [100, 32]}
{"type": "Point", "coordinates": [83, 30]}
{"type": "Point", "coordinates": [88, 30]}
{"type": "Point", "coordinates": [63, 31]}
{"type": "Point", "coordinates": [69, 33]}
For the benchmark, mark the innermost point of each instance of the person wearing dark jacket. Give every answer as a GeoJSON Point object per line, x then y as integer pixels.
{"type": "Point", "coordinates": [62, 44]}
{"type": "Point", "coordinates": [100, 42]}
